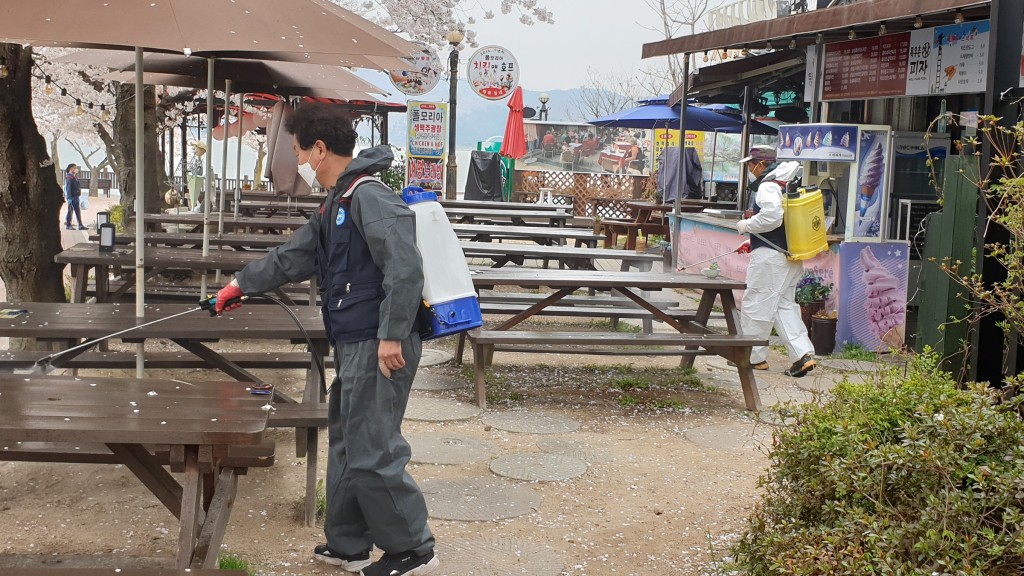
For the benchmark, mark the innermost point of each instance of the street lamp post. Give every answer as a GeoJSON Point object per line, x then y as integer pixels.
{"type": "Point", "coordinates": [544, 98]}
{"type": "Point", "coordinates": [455, 38]}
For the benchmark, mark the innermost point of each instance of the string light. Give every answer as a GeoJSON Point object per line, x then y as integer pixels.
{"type": "Point", "coordinates": [4, 72]}
{"type": "Point", "coordinates": [792, 43]}
{"type": "Point", "coordinates": [917, 22]}
{"type": "Point", "coordinates": [725, 54]}
{"type": "Point", "coordinates": [745, 51]}
{"type": "Point", "coordinates": [104, 115]}
{"type": "Point", "coordinates": [768, 45]}
{"type": "Point", "coordinates": [882, 30]}
{"type": "Point", "coordinates": [78, 107]}
{"type": "Point", "coordinates": [705, 55]}
{"type": "Point", "coordinates": [51, 87]}
{"type": "Point", "coordinates": [958, 17]}
{"type": "Point", "coordinates": [48, 90]}
{"type": "Point", "coordinates": [852, 35]}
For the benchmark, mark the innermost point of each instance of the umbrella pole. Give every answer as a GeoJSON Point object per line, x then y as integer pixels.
{"type": "Point", "coordinates": [679, 169]}
{"type": "Point", "coordinates": [224, 164]}
{"type": "Point", "coordinates": [223, 170]}
{"type": "Point", "coordinates": [140, 209]}
{"type": "Point", "coordinates": [741, 190]}
{"type": "Point", "coordinates": [714, 156]}
{"type": "Point", "coordinates": [238, 159]}
{"type": "Point", "coordinates": [209, 169]}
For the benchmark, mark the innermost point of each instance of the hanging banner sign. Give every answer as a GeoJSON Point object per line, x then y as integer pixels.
{"type": "Point", "coordinates": [943, 60]}
{"type": "Point", "coordinates": [426, 73]}
{"type": "Point", "coordinates": [428, 129]}
{"type": "Point", "coordinates": [493, 72]}
{"type": "Point", "coordinates": [670, 139]}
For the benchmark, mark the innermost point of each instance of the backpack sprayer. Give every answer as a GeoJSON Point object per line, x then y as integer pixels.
{"type": "Point", "coordinates": [45, 364]}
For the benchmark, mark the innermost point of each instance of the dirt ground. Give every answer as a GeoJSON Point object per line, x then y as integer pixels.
{"type": "Point", "coordinates": [672, 475]}
{"type": "Point", "coordinates": [673, 461]}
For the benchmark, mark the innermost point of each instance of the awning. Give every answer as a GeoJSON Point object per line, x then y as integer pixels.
{"type": "Point", "coordinates": [732, 75]}
{"type": "Point", "coordinates": [834, 24]}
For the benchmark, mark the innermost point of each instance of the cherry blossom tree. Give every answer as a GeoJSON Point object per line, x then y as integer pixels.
{"type": "Point", "coordinates": [30, 198]}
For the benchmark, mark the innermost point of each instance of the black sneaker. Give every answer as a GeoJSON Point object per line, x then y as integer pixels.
{"type": "Point", "coordinates": [353, 563]}
{"type": "Point", "coordinates": [801, 366]}
{"type": "Point", "coordinates": [401, 564]}
{"type": "Point", "coordinates": [80, 227]}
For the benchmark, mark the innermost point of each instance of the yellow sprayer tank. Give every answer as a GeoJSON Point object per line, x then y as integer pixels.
{"type": "Point", "coordinates": [804, 218]}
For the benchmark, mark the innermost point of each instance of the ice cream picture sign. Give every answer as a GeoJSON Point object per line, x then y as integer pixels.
{"type": "Point", "coordinates": [873, 281]}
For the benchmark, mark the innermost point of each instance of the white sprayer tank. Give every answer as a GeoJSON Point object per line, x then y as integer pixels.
{"type": "Point", "coordinates": [447, 286]}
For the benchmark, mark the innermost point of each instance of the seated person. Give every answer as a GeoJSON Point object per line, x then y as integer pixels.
{"type": "Point", "coordinates": [634, 159]}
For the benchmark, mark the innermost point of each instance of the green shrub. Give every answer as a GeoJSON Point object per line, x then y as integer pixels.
{"type": "Point", "coordinates": [117, 217]}
{"type": "Point", "coordinates": [904, 475]}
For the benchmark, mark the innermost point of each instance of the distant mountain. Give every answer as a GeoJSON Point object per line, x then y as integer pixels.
{"type": "Point", "coordinates": [477, 118]}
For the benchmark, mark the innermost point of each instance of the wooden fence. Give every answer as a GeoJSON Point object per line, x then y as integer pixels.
{"type": "Point", "coordinates": [580, 188]}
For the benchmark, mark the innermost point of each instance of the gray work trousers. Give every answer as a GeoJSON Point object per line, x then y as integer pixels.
{"type": "Point", "coordinates": [371, 499]}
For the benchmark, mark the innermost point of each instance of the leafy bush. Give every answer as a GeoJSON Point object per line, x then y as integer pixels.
{"type": "Point", "coordinates": [117, 217]}
{"type": "Point", "coordinates": [904, 475]}
{"type": "Point", "coordinates": [811, 288]}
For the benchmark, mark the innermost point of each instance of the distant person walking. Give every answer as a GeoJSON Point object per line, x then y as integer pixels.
{"type": "Point", "coordinates": [73, 194]}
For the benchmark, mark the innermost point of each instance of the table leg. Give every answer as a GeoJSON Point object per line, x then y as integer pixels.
{"type": "Point", "coordinates": [154, 476]}
{"type": "Point", "coordinates": [525, 314]}
{"type": "Point", "coordinates": [191, 506]}
{"type": "Point", "coordinates": [207, 549]}
{"type": "Point", "coordinates": [707, 304]}
{"type": "Point", "coordinates": [217, 361]}
{"type": "Point", "coordinates": [79, 281]}
{"type": "Point", "coordinates": [747, 379]}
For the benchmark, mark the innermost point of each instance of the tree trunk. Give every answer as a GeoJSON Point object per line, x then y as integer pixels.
{"type": "Point", "coordinates": [30, 199]}
{"type": "Point", "coordinates": [257, 174]}
{"type": "Point", "coordinates": [124, 149]}
{"type": "Point", "coordinates": [58, 172]}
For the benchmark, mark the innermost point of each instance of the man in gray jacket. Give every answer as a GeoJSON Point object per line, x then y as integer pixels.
{"type": "Point", "coordinates": [362, 243]}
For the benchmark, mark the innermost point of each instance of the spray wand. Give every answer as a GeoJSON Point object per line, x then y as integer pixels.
{"type": "Point", "coordinates": [45, 364]}
{"type": "Point", "coordinates": [741, 249]}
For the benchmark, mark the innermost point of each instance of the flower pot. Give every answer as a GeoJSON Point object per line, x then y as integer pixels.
{"type": "Point", "coordinates": [823, 335]}
{"type": "Point", "coordinates": [809, 310]}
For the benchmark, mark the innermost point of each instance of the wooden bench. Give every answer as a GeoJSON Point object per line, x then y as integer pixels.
{"type": "Point", "coordinates": [242, 457]}
{"type": "Point", "coordinates": [24, 359]}
{"type": "Point", "coordinates": [731, 346]}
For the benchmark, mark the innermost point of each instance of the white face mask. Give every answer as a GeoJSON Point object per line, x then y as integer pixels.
{"type": "Point", "coordinates": [750, 175]}
{"type": "Point", "coordinates": [308, 173]}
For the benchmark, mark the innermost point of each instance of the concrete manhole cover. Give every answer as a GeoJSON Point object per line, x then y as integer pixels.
{"type": "Point", "coordinates": [434, 448]}
{"type": "Point", "coordinates": [730, 437]}
{"type": "Point", "coordinates": [530, 422]}
{"type": "Point", "coordinates": [500, 556]}
{"type": "Point", "coordinates": [427, 380]}
{"type": "Point", "coordinates": [439, 410]}
{"type": "Point", "coordinates": [538, 467]}
{"type": "Point", "coordinates": [579, 450]}
{"type": "Point", "coordinates": [478, 499]}
{"type": "Point", "coordinates": [431, 357]}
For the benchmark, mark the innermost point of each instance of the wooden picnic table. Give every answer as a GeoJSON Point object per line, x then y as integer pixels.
{"type": "Point", "coordinates": [513, 217]}
{"type": "Point", "coordinates": [546, 235]}
{"type": "Point", "coordinates": [198, 423]}
{"type": "Point", "coordinates": [567, 256]}
{"type": "Point", "coordinates": [489, 205]}
{"type": "Point", "coordinates": [692, 331]}
{"type": "Point", "coordinates": [274, 224]}
{"type": "Point", "coordinates": [65, 325]}
{"type": "Point", "coordinates": [267, 195]}
{"type": "Point", "coordinates": [285, 206]}
{"type": "Point", "coordinates": [233, 240]}
{"type": "Point", "coordinates": [645, 218]}
{"type": "Point", "coordinates": [85, 256]}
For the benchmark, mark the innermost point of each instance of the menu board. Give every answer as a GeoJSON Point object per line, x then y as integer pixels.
{"type": "Point", "coordinates": [423, 77]}
{"type": "Point", "coordinates": [943, 60]}
{"type": "Point", "coordinates": [868, 68]}
{"type": "Point", "coordinates": [428, 129]}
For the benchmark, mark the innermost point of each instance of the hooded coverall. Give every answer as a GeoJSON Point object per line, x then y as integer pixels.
{"type": "Point", "coordinates": [770, 297]}
{"type": "Point", "coordinates": [363, 244]}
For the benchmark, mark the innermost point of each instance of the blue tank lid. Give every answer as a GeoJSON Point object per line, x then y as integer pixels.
{"type": "Point", "coordinates": [415, 195]}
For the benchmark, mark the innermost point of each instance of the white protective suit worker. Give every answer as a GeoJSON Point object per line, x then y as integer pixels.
{"type": "Point", "coordinates": [770, 297]}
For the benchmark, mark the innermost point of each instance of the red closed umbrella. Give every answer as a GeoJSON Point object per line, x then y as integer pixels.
{"type": "Point", "coordinates": [514, 144]}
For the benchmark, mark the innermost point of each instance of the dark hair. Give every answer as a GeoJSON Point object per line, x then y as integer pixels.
{"type": "Point", "coordinates": [326, 122]}
{"type": "Point", "coordinates": [70, 166]}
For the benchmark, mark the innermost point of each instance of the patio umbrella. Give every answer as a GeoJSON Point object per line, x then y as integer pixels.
{"type": "Point", "coordinates": [294, 28]}
{"type": "Point", "coordinates": [651, 116]}
{"type": "Point", "coordinates": [514, 143]}
{"type": "Point", "coordinates": [245, 75]}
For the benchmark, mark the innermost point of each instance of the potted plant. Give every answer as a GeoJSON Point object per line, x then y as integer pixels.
{"type": "Point", "coordinates": [811, 292]}
{"type": "Point", "coordinates": [712, 270]}
{"type": "Point", "coordinates": [597, 223]}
